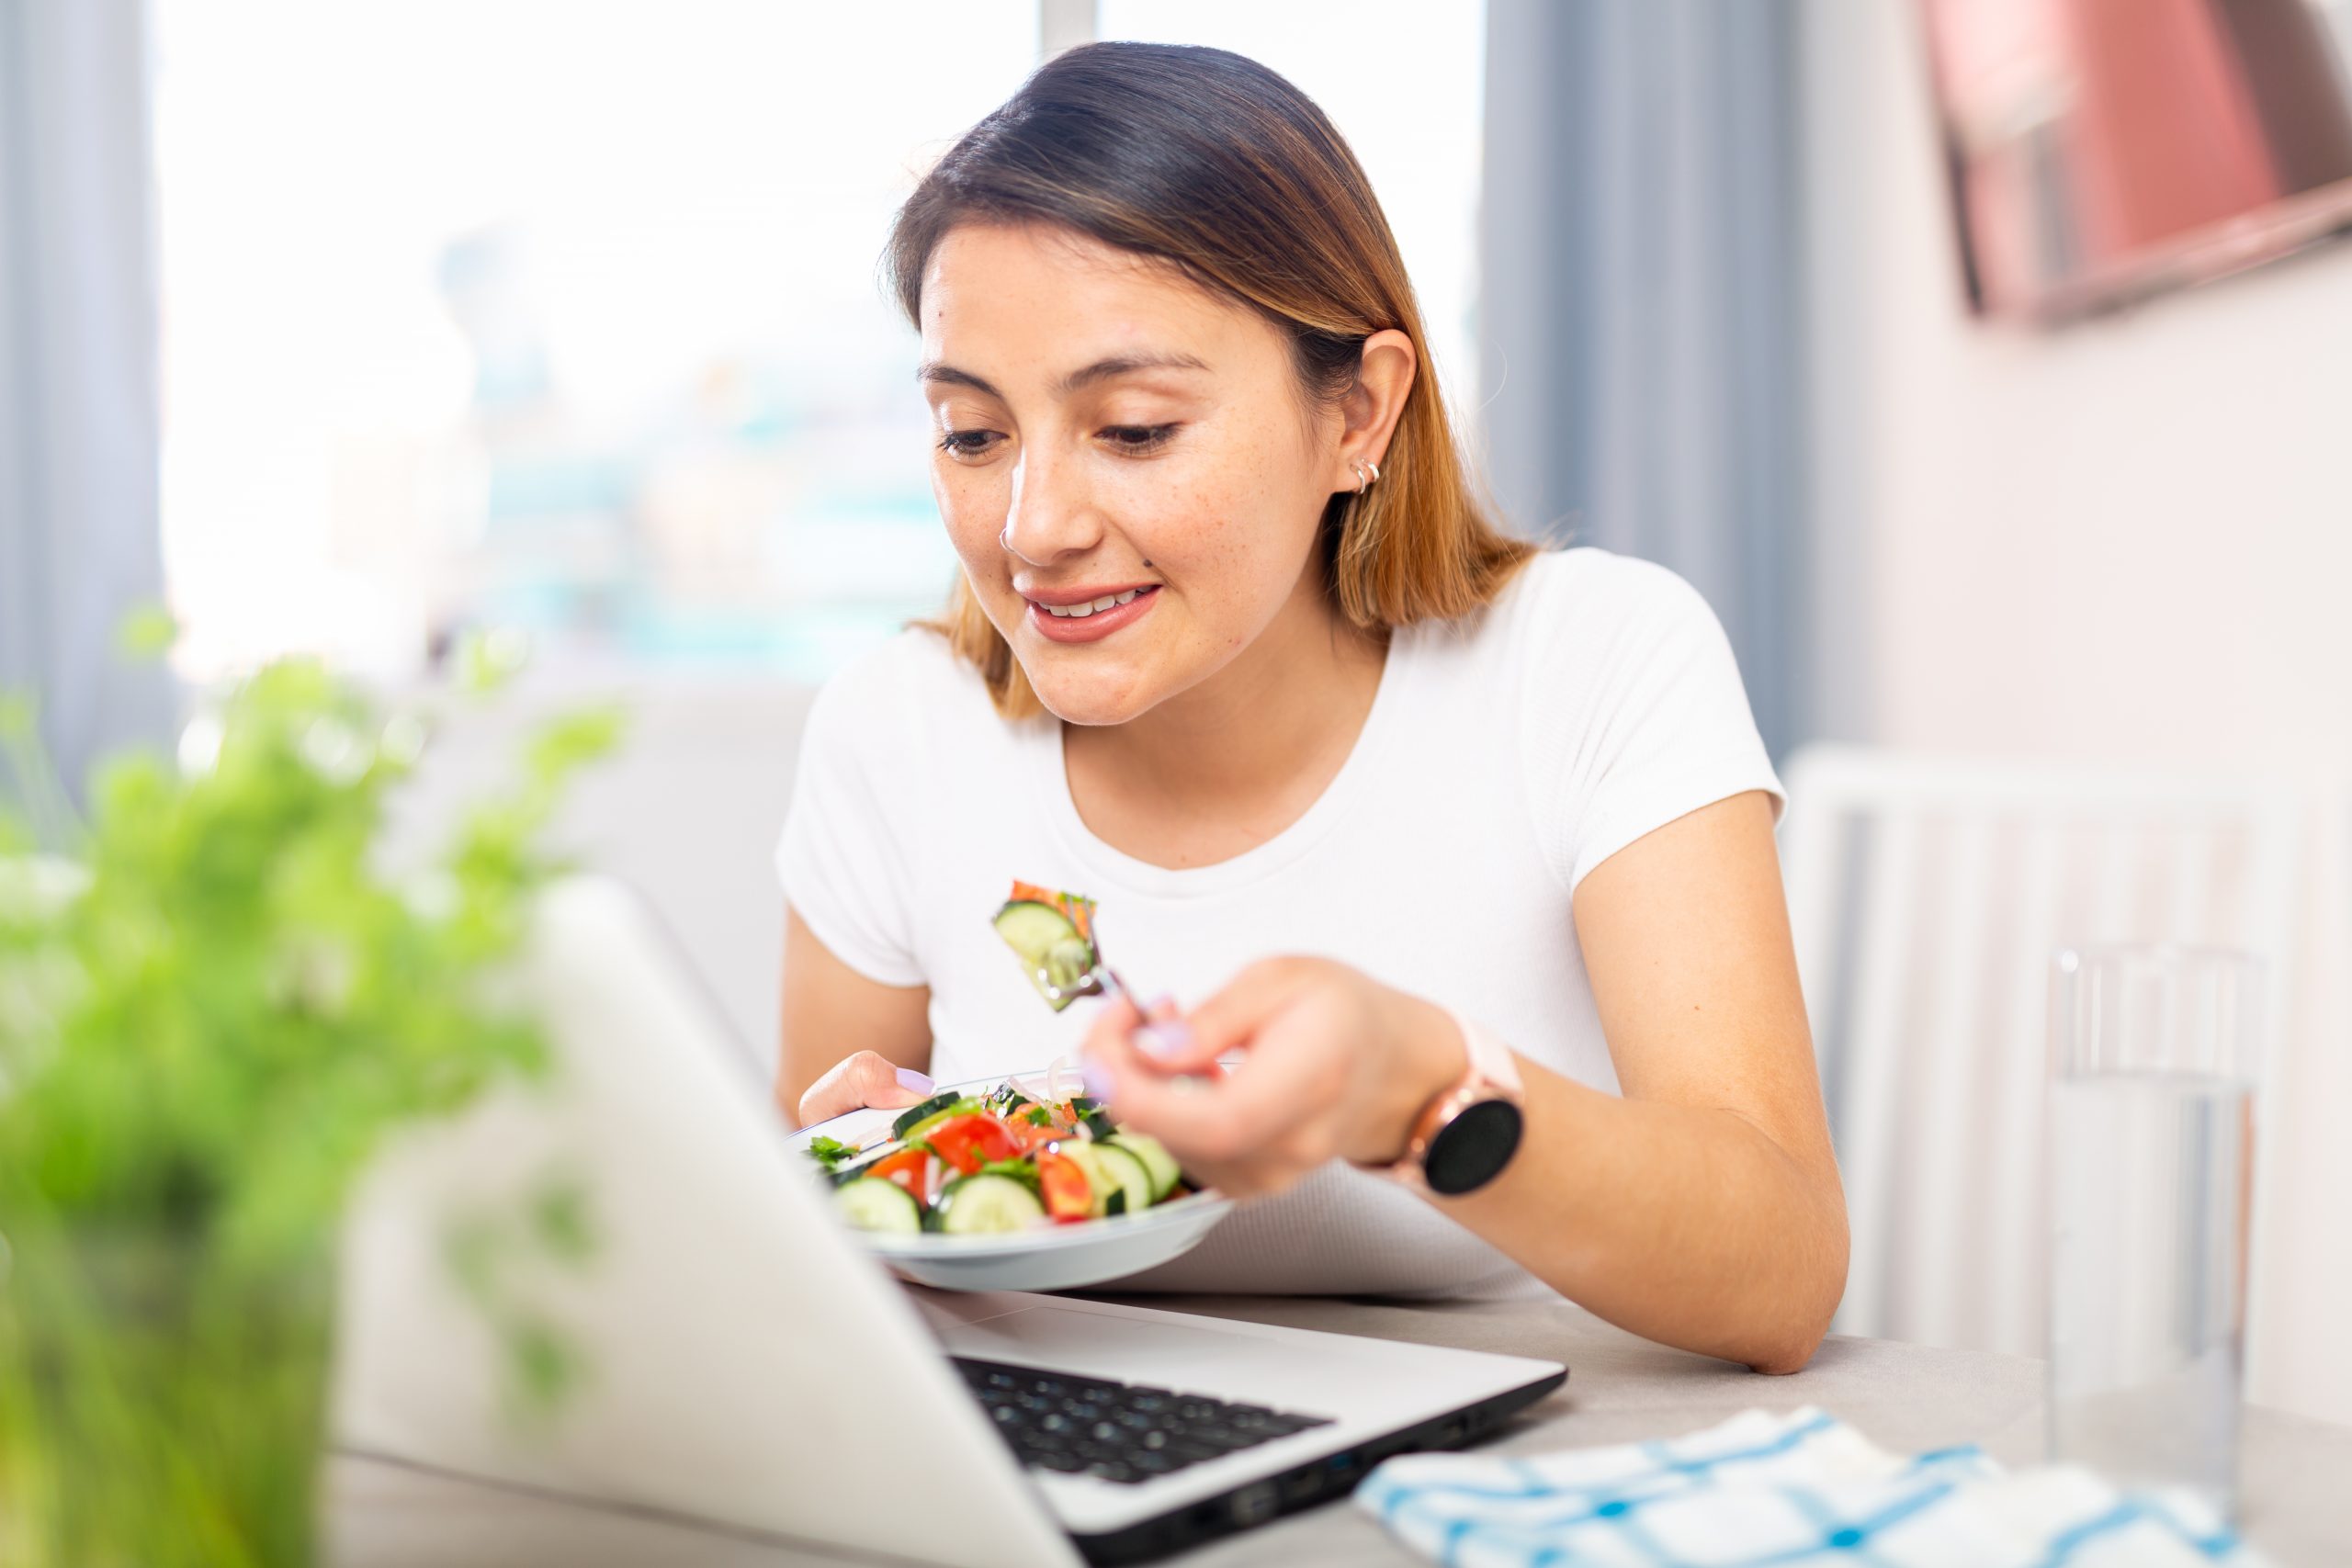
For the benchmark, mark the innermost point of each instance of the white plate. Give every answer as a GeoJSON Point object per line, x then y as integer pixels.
{"type": "Point", "coordinates": [1049, 1258]}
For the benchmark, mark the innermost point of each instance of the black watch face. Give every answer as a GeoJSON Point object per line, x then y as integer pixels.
{"type": "Point", "coordinates": [1471, 1149]}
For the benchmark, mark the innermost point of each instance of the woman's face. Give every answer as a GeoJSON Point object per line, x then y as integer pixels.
{"type": "Point", "coordinates": [1114, 440]}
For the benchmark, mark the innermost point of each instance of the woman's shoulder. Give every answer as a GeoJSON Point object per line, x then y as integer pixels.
{"type": "Point", "coordinates": [1591, 647]}
{"type": "Point", "coordinates": [1628, 705]}
{"type": "Point", "coordinates": [1570, 613]}
{"type": "Point", "coordinates": [1595, 590]}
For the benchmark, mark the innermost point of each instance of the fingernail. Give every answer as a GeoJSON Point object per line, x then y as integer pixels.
{"type": "Point", "coordinates": [1162, 1007]}
{"type": "Point", "coordinates": [1168, 1039]}
{"type": "Point", "coordinates": [1096, 1078]}
{"type": "Point", "coordinates": [914, 1082]}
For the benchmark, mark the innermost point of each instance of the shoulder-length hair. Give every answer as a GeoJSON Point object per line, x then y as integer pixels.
{"type": "Point", "coordinates": [1211, 162]}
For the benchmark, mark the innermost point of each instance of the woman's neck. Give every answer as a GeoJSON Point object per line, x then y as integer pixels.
{"type": "Point", "coordinates": [1216, 771]}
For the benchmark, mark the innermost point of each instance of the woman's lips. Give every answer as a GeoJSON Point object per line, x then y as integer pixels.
{"type": "Point", "coordinates": [1095, 627]}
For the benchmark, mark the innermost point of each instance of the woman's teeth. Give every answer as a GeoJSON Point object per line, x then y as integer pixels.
{"type": "Point", "coordinates": [1081, 611]}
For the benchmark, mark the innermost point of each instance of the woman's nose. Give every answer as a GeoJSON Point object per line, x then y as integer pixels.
{"type": "Point", "coordinates": [1049, 514]}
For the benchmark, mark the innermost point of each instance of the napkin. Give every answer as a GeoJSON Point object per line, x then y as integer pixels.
{"type": "Point", "coordinates": [1792, 1491]}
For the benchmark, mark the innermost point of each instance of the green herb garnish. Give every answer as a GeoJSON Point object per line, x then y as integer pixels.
{"type": "Point", "coordinates": [830, 1152]}
{"type": "Point", "coordinates": [1025, 1171]}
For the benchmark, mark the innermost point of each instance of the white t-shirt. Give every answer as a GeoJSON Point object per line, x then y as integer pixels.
{"type": "Point", "coordinates": [1505, 756]}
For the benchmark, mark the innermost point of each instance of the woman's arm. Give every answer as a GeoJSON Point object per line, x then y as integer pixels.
{"type": "Point", "coordinates": [1702, 1209]}
{"type": "Point", "coordinates": [848, 1041]}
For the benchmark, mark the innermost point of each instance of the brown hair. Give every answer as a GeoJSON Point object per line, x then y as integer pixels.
{"type": "Point", "coordinates": [1215, 163]}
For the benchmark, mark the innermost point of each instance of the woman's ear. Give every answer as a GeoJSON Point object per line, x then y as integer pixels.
{"type": "Point", "coordinates": [1373, 407]}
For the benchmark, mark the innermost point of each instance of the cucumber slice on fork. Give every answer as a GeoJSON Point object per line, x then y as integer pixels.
{"type": "Point", "coordinates": [1054, 935]}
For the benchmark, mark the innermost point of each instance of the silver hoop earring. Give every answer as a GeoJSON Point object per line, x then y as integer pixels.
{"type": "Point", "coordinates": [1367, 474]}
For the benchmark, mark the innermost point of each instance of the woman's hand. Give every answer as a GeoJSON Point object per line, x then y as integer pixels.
{"type": "Point", "coordinates": [1336, 1066]}
{"type": "Point", "coordinates": [855, 1082]}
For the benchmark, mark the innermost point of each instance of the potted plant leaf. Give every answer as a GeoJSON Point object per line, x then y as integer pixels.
{"type": "Point", "coordinates": [214, 1006]}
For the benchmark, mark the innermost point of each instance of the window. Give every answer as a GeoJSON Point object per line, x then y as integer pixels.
{"type": "Point", "coordinates": [567, 317]}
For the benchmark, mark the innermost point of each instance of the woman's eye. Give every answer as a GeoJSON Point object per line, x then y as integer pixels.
{"type": "Point", "coordinates": [1136, 438]}
{"type": "Point", "coordinates": [968, 443]}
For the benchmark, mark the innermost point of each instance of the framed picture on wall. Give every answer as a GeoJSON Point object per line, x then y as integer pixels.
{"type": "Point", "coordinates": [2101, 151]}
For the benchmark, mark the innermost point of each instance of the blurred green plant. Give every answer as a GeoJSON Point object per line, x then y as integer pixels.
{"type": "Point", "coordinates": [214, 1009]}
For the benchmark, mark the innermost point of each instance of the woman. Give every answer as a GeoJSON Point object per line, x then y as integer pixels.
{"type": "Point", "coordinates": [1425, 819]}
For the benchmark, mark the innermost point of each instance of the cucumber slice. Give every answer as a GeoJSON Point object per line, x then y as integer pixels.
{"type": "Point", "coordinates": [1050, 947]}
{"type": "Point", "coordinates": [1133, 1176]}
{"type": "Point", "coordinates": [1110, 1168]}
{"type": "Point", "coordinates": [914, 1113]}
{"type": "Point", "coordinates": [870, 1204]}
{"type": "Point", "coordinates": [986, 1205]}
{"type": "Point", "coordinates": [955, 1107]}
{"type": "Point", "coordinates": [1165, 1173]}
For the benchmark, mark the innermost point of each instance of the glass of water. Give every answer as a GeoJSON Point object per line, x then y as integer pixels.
{"type": "Point", "coordinates": [2153, 1060]}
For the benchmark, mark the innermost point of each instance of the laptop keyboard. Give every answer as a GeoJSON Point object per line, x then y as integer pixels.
{"type": "Point", "coordinates": [1123, 1432]}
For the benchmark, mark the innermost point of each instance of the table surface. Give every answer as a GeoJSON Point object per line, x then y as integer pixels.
{"type": "Point", "coordinates": [2296, 1473]}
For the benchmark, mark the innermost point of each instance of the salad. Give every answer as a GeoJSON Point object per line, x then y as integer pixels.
{"type": "Point", "coordinates": [1008, 1160]}
{"type": "Point", "coordinates": [1021, 1155]}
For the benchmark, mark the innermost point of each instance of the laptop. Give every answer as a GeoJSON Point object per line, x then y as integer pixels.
{"type": "Point", "coordinates": [745, 1364]}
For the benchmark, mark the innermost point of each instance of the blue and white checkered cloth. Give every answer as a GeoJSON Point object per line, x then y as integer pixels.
{"type": "Point", "coordinates": [1789, 1490]}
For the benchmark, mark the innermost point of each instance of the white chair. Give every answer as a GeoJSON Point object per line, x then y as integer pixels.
{"type": "Point", "coordinates": [1927, 896]}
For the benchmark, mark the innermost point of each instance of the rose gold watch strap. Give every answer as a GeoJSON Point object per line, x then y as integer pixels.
{"type": "Point", "coordinates": [1491, 1073]}
{"type": "Point", "coordinates": [1489, 1057]}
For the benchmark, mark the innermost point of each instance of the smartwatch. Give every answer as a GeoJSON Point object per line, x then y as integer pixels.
{"type": "Point", "coordinates": [1464, 1137]}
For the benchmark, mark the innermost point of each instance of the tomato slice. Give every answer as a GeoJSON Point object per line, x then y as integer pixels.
{"type": "Point", "coordinates": [970, 1142]}
{"type": "Point", "coordinates": [905, 1168]}
{"type": "Point", "coordinates": [1030, 1136]}
{"type": "Point", "coordinates": [1063, 1186]}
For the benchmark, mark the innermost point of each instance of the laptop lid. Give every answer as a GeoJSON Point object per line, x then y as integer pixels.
{"type": "Point", "coordinates": [743, 1363]}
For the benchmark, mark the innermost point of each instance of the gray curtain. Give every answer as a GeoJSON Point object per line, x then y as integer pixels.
{"type": "Point", "coordinates": [79, 546]}
{"type": "Point", "coordinates": [1638, 334]}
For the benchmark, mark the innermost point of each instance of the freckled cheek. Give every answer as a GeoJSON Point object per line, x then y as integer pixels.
{"type": "Point", "coordinates": [1177, 527]}
{"type": "Point", "coordinates": [1206, 522]}
{"type": "Point", "coordinates": [1234, 533]}
{"type": "Point", "coordinates": [973, 508]}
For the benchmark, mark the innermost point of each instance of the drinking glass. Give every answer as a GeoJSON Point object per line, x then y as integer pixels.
{"type": "Point", "coordinates": [2153, 1059]}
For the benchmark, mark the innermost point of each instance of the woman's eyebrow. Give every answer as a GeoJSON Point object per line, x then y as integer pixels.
{"type": "Point", "coordinates": [937, 374]}
{"type": "Point", "coordinates": [1127, 365]}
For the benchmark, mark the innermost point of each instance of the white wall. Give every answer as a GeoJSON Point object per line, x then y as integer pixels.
{"type": "Point", "coordinates": [2126, 541]}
